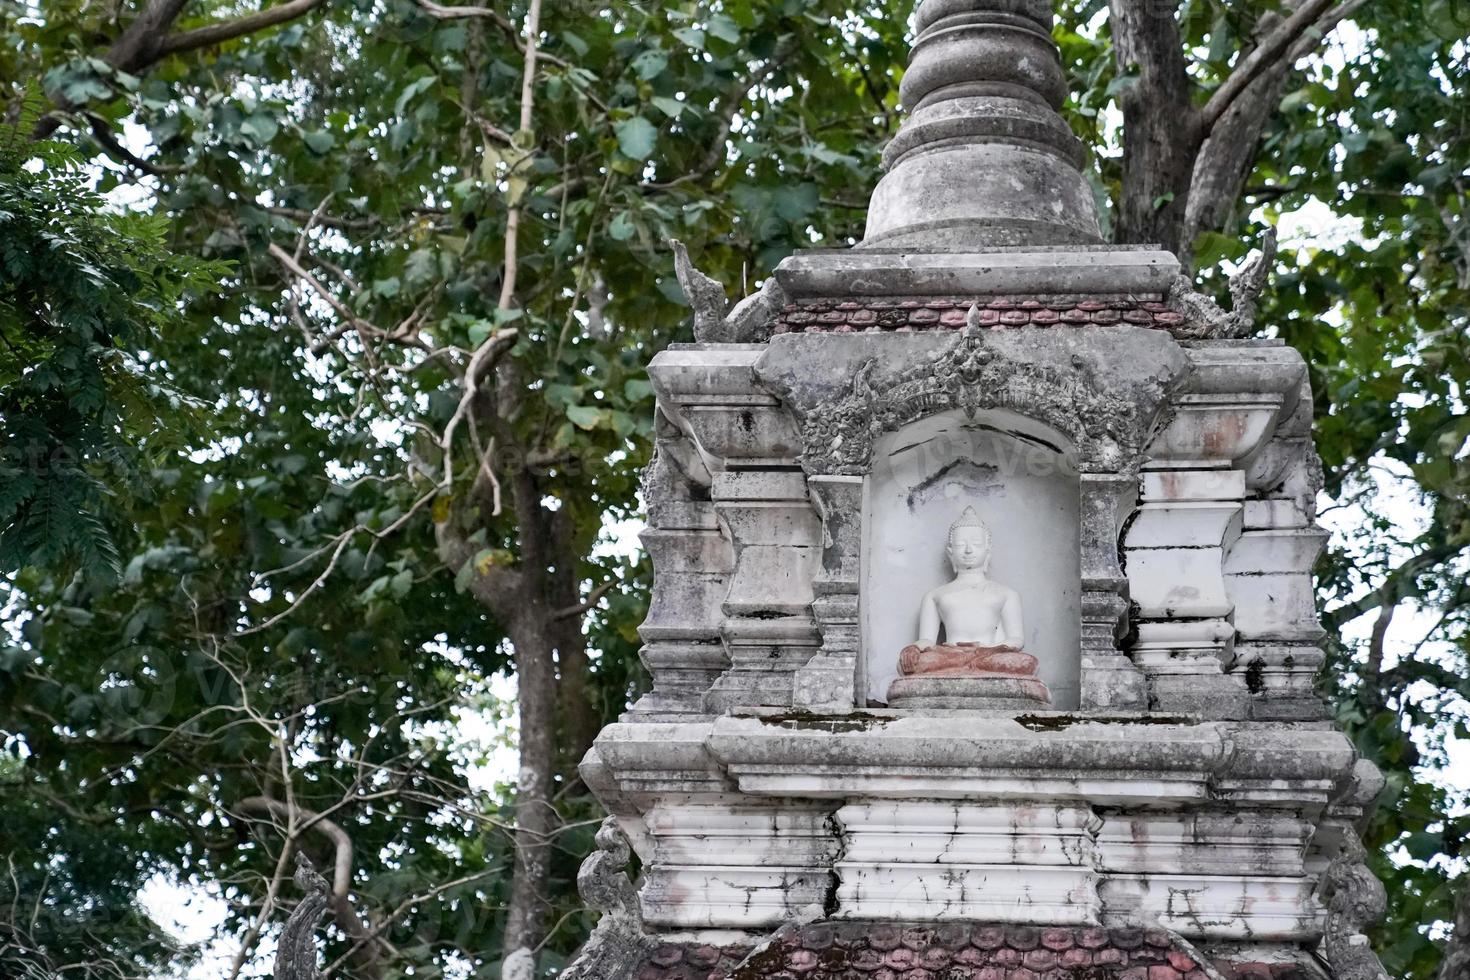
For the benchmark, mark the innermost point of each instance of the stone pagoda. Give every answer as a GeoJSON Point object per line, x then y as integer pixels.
{"type": "Point", "coordinates": [982, 637]}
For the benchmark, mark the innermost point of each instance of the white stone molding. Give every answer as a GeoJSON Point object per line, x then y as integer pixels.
{"type": "Point", "coordinates": [1110, 681]}
{"type": "Point", "coordinates": [1121, 270]}
{"type": "Point", "coordinates": [742, 821]}
{"type": "Point", "coordinates": [733, 867]}
{"type": "Point", "coordinates": [1175, 549]}
{"type": "Point", "coordinates": [1216, 907]}
{"type": "Point", "coordinates": [1203, 842]}
{"type": "Point", "coordinates": [967, 756]}
{"type": "Point", "coordinates": [926, 860]}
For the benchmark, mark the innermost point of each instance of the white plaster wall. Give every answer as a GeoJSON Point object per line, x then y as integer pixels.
{"type": "Point", "coordinates": [1018, 477]}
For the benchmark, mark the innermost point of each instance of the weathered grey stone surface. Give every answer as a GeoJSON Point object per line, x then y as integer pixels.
{"type": "Point", "coordinates": [296, 950]}
{"type": "Point", "coordinates": [1094, 270]}
{"type": "Point", "coordinates": [1210, 322]}
{"type": "Point", "coordinates": [983, 158]}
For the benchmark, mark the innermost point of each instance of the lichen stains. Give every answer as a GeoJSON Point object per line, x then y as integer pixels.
{"type": "Point", "coordinates": [1062, 722]}
{"type": "Point", "coordinates": [857, 721]}
{"type": "Point", "coordinates": [1255, 676]}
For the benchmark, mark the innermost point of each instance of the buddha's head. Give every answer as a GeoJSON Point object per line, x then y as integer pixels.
{"type": "Point", "coordinates": [969, 543]}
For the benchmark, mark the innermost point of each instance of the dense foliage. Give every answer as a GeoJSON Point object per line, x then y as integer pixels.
{"type": "Point", "coordinates": [420, 408]}
{"type": "Point", "coordinates": [83, 290]}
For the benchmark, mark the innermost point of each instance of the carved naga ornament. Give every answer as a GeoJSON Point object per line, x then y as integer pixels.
{"type": "Point", "coordinates": [972, 376]}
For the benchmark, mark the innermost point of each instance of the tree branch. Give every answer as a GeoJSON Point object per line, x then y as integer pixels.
{"type": "Point", "coordinates": [528, 102]}
{"type": "Point", "coordinates": [301, 214]}
{"type": "Point", "coordinates": [1271, 49]}
{"type": "Point", "coordinates": [300, 820]}
{"type": "Point", "coordinates": [1309, 40]}
{"type": "Point", "coordinates": [496, 587]}
{"type": "Point", "coordinates": [587, 604]}
{"type": "Point", "coordinates": [289, 263]}
{"type": "Point", "coordinates": [227, 30]}
{"type": "Point", "coordinates": [341, 841]}
{"type": "Point", "coordinates": [1159, 119]}
{"type": "Point", "coordinates": [441, 12]}
{"type": "Point", "coordinates": [1339, 616]}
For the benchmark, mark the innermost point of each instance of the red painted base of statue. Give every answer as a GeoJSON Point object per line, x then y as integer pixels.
{"type": "Point", "coordinates": [955, 659]}
{"type": "Point", "coordinates": [967, 675]}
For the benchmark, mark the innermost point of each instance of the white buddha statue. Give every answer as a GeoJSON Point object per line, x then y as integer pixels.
{"type": "Point", "coordinates": [982, 626]}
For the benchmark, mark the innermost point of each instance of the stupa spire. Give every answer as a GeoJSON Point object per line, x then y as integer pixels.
{"type": "Point", "coordinates": [983, 159]}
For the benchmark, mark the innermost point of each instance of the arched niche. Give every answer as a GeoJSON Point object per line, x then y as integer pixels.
{"type": "Point", "coordinates": [1021, 477]}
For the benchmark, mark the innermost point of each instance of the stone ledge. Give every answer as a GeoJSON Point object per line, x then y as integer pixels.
{"type": "Point", "coordinates": [997, 272]}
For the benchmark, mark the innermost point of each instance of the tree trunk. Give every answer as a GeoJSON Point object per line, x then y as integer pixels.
{"type": "Point", "coordinates": [530, 618]}
{"type": "Point", "coordinates": [536, 819]}
{"type": "Point", "coordinates": [1228, 156]}
{"type": "Point", "coordinates": [1161, 123]}
{"type": "Point", "coordinates": [579, 723]}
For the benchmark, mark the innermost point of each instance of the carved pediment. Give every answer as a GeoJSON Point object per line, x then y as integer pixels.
{"type": "Point", "coordinates": [1106, 428]}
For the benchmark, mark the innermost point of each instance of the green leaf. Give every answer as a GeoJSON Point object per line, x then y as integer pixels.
{"type": "Point", "coordinates": [650, 64]}
{"type": "Point", "coordinates": [636, 137]}
{"type": "Point", "coordinates": [584, 417]}
{"type": "Point", "coordinates": [318, 141]}
{"type": "Point", "coordinates": [724, 28]}
{"type": "Point", "coordinates": [261, 128]}
{"type": "Point", "coordinates": [479, 331]}
{"type": "Point", "coordinates": [422, 267]}
{"type": "Point", "coordinates": [411, 91]}
{"type": "Point", "coordinates": [669, 107]}
{"type": "Point", "coordinates": [622, 228]}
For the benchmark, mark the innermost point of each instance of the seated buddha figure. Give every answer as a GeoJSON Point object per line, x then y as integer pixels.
{"type": "Point", "coordinates": [983, 632]}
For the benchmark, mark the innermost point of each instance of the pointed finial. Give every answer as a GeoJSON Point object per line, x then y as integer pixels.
{"type": "Point", "coordinates": [972, 319]}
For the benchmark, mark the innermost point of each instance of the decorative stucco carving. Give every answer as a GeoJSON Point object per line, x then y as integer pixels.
{"type": "Point", "coordinates": [619, 941]}
{"type": "Point", "coordinates": [971, 376]}
{"type": "Point", "coordinates": [1203, 318]}
{"type": "Point", "coordinates": [1355, 900]}
{"type": "Point", "coordinates": [705, 295]}
{"type": "Point", "coordinates": [750, 321]}
{"type": "Point", "coordinates": [296, 952]}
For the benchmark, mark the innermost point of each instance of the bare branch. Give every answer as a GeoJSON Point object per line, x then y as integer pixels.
{"type": "Point", "coordinates": [252, 935]}
{"type": "Point", "coordinates": [386, 921]}
{"type": "Point", "coordinates": [1310, 40]}
{"type": "Point", "coordinates": [441, 12]}
{"type": "Point", "coordinates": [485, 357]}
{"type": "Point", "coordinates": [1272, 48]}
{"type": "Point", "coordinates": [294, 817]}
{"type": "Point", "coordinates": [1401, 576]}
{"type": "Point", "coordinates": [528, 104]}
{"type": "Point", "coordinates": [228, 30]}
{"type": "Point", "coordinates": [586, 605]}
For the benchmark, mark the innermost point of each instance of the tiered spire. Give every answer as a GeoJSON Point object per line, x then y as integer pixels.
{"type": "Point", "coordinates": [983, 159]}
